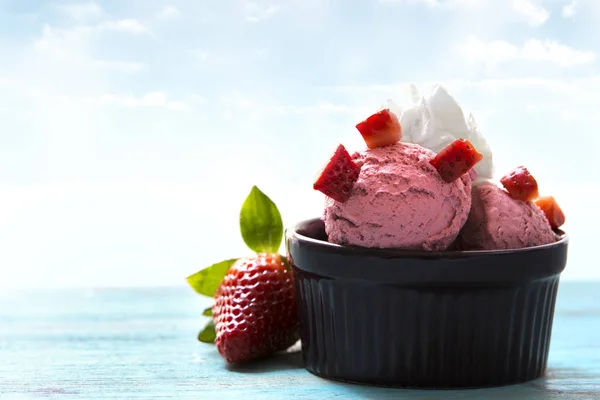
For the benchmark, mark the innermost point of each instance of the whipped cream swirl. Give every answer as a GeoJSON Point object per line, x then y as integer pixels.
{"type": "Point", "coordinates": [436, 121]}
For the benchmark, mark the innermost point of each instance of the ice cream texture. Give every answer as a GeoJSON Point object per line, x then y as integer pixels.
{"type": "Point", "coordinates": [498, 222]}
{"type": "Point", "coordinates": [399, 201]}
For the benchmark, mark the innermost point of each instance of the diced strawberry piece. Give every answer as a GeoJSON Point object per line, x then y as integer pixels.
{"type": "Point", "coordinates": [520, 184]}
{"type": "Point", "coordinates": [552, 211]}
{"type": "Point", "coordinates": [338, 176]}
{"type": "Point", "coordinates": [380, 129]}
{"type": "Point", "coordinates": [456, 159]}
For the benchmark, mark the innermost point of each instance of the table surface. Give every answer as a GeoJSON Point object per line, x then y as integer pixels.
{"type": "Point", "coordinates": [141, 343]}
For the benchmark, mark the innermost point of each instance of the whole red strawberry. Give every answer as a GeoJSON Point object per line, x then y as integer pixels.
{"type": "Point", "coordinates": [255, 310]}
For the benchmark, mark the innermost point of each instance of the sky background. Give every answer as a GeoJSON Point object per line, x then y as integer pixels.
{"type": "Point", "coordinates": [131, 131]}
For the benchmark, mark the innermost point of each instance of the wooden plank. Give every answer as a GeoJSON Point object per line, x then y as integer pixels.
{"type": "Point", "coordinates": [140, 344]}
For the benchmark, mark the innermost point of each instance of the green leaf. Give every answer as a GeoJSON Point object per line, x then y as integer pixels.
{"type": "Point", "coordinates": [208, 334]}
{"type": "Point", "coordinates": [286, 262]}
{"type": "Point", "coordinates": [207, 280]}
{"type": "Point", "coordinates": [207, 312]}
{"type": "Point", "coordinates": [260, 223]}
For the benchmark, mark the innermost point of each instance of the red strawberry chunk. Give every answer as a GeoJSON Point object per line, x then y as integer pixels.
{"type": "Point", "coordinates": [456, 159]}
{"type": "Point", "coordinates": [552, 211]}
{"type": "Point", "coordinates": [254, 310]}
{"type": "Point", "coordinates": [520, 184]}
{"type": "Point", "coordinates": [338, 176]}
{"type": "Point", "coordinates": [380, 129]}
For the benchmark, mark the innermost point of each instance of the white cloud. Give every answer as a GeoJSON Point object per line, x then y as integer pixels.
{"type": "Point", "coordinates": [201, 55]}
{"type": "Point", "coordinates": [62, 43]}
{"type": "Point", "coordinates": [563, 98]}
{"type": "Point", "coordinates": [117, 66]}
{"type": "Point", "coordinates": [549, 107]}
{"type": "Point", "coordinates": [86, 12]}
{"type": "Point", "coordinates": [492, 53]}
{"type": "Point", "coordinates": [150, 100]}
{"type": "Point", "coordinates": [571, 86]}
{"type": "Point", "coordinates": [125, 25]}
{"type": "Point", "coordinates": [74, 46]}
{"type": "Point", "coordinates": [322, 107]}
{"type": "Point", "coordinates": [558, 54]}
{"type": "Point", "coordinates": [434, 3]}
{"type": "Point", "coordinates": [256, 13]}
{"type": "Point", "coordinates": [528, 11]}
{"type": "Point", "coordinates": [169, 12]}
{"type": "Point", "coordinates": [430, 3]}
{"type": "Point", "coordinates": [82, 12]}
{"type": "Point", "coordinates": [557, 85]}
{"type": "Point", "coordinates": [47, 95]}
{"type": "Point", "coordinates": [531, 11]}
{"type": "Point", "coordinates": [238, 102]}
{"type": "Point", "coordinates": [569, 10]}
{"type": "Point", "coordinates": [533, 50]}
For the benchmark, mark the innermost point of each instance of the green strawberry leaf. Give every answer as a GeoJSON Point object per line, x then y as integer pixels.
{"type": "Point", "coordinates": [208, 334]}
{"type": "Point", "coordinates": [286, 262]}
{"type": "Point", "coordinates": [207, 280]}
{"type": "Point", "coordinates": [207, 312]}
{"type": "Point", "coordinates": [260, 223]}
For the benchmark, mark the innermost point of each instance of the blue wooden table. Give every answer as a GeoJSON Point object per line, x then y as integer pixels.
{"type": "Point", "coordinates": [141, 344]}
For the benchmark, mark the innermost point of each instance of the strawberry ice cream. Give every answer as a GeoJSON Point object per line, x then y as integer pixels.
{"type": "Point", "coordinates": [498, 222]}
{"type": "Point", "coordinates": [425, 183]}
{"type": "Point", "coordinates": [399, 201]}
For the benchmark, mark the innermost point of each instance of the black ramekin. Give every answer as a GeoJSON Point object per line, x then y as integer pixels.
{"type": "Point", "coordinates": [424, 319]}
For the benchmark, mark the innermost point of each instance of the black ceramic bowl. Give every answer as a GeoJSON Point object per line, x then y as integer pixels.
{"type": "Point", "coordinates": [424, 319]}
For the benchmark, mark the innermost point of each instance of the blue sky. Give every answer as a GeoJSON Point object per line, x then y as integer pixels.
{"type": "Point", "coordinates": [130, 132]}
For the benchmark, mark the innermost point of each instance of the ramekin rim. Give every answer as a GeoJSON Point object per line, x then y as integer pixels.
{"type": "Point", "coordinates": [292, 232]}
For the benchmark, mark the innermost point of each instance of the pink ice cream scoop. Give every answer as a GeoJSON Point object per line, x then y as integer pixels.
{"type": "Point", "coordinates": [498, 222]}
{"type": "Point", "coordinates": [399, 201]}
